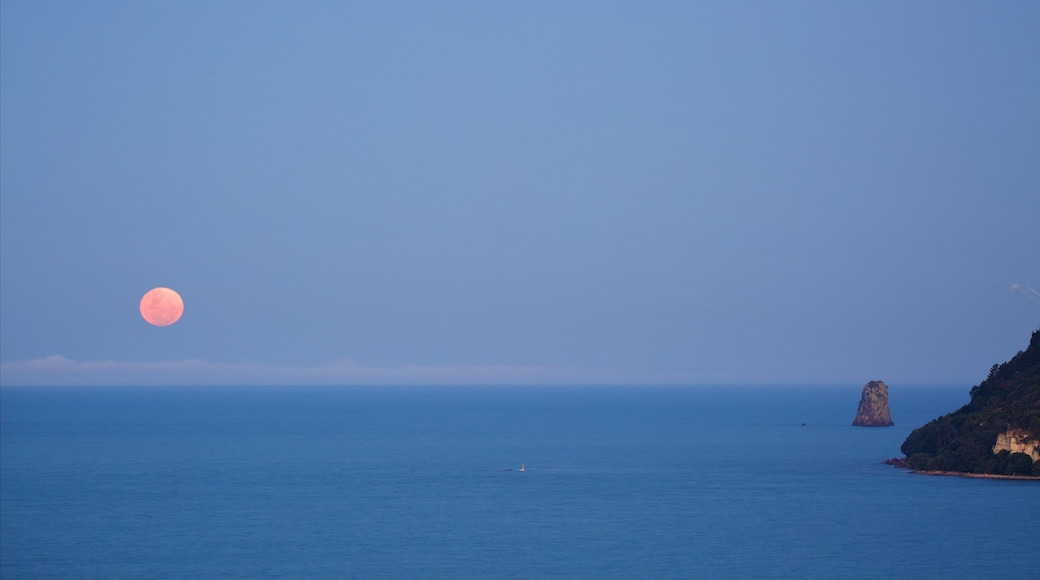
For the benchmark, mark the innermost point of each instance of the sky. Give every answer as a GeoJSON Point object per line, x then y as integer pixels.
{"type": "Point", "coordinates": [518, 192]}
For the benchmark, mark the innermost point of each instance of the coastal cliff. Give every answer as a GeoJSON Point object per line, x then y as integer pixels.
{"type": "Point", "coordinates": [1018, 442]}
{"type": "Point", "coordinates": [873, 406]}
{"type": "Point", "coordinates": [997, 433]}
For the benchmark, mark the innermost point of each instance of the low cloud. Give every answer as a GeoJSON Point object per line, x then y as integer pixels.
{"type": "Point", "coordinates": [58, 370]}
{"type": "Point", "coordinates": [1030, 294]}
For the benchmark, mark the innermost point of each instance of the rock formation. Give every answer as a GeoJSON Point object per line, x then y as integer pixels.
{"type": "Point", "coordinates": [873, 406]}
{"type": "Point", "coordinates": [1015, 441]}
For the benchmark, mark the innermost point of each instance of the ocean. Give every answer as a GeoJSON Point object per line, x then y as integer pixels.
{"type": "Point", "coordinates": [409, 482]}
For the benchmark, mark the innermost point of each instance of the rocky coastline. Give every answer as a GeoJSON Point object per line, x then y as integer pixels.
{"type": "Point", "coordinates": [995, 436]}
{"type": "Point", "coordinates": [903, 463]}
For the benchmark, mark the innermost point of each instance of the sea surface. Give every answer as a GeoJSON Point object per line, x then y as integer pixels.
{"type": "Point", "coordinates": [395, 482]}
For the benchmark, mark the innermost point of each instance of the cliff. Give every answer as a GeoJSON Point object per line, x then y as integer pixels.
{"type": "Point", "coordinates": [873, 406]}
{"type": "Point", "coordinates": [1018, 442]}
{"type": "Point", "coordinates": [997, 433]}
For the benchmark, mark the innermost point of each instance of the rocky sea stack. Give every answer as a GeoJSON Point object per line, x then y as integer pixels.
{"type": "Point", "coordinates": [873, 406]}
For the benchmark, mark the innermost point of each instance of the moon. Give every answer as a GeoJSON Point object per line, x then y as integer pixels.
{"type": "Point", "coordinates": [161, 306]}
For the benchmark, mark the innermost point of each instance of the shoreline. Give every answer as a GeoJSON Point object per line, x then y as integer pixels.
{"type": "Point", "coordinates": [902, 463]}
{"type": "Point", "coordinates": [977, 475]}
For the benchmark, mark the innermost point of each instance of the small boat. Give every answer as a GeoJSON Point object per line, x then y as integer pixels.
{"type": "Point", "coordinates": [522, 468]}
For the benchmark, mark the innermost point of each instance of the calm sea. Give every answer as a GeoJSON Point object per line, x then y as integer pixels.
{"type": "Point", "coordinates": [424, 483]}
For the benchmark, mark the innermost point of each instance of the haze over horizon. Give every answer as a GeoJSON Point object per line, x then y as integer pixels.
{"type": "Point", "coordinates": [536, 193]}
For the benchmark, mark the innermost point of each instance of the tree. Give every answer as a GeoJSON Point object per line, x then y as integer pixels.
{"type": "Point", "coordinates": [1019, 464]}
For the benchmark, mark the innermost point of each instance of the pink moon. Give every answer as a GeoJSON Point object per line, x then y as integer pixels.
{"type": "Point", "coordinates": [161, 306]}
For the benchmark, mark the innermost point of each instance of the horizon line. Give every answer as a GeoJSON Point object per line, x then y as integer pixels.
{"type": "Point", "coordinates": [60, 371]}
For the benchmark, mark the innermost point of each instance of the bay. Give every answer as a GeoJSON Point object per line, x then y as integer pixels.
{"type": "Point", "coordinates": [409, 482]}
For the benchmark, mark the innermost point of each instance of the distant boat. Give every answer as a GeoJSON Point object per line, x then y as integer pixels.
{"type": "Point", "coordinates": [522, 468]}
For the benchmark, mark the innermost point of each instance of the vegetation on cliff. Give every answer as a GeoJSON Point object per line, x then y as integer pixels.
{"type": "Point", "coordinates": [962, 441]}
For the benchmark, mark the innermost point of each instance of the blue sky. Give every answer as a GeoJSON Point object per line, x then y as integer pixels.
{"type": "Point", "coordinates": [557, 192]}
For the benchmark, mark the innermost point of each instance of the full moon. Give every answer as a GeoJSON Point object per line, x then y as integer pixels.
{"type": "Point", "coordinates": [162, 306]}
